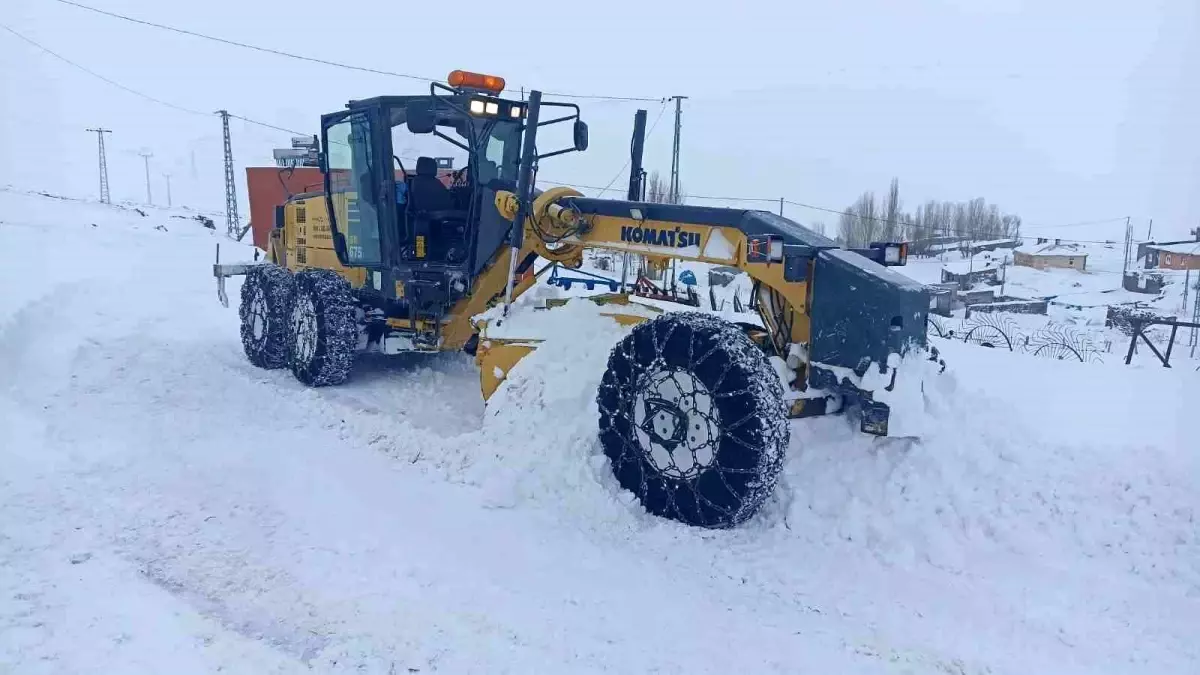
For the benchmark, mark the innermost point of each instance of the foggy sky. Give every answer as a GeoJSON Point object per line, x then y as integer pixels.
{"type": "Point", "coordinates": [1060, 110]}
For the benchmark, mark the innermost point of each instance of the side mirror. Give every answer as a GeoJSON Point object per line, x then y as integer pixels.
{"type": "Point", "coordinates": [581, 135]}
{"type": "Point", "coordinates": [322, 162]}
{"type": "Point", "coordinates": [420, 117]}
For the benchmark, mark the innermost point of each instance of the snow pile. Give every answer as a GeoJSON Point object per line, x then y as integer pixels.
{"type": "Point", "coordinates": [169, 508]}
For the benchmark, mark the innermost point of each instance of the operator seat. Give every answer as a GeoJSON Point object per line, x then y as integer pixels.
{"type": "Point", "coordinates": [433, 213]}
{"type": "Point", "coordinates": [428, 193]}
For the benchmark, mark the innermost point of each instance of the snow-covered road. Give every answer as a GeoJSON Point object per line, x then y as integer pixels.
{"type": "Point", "coordinates": [167, 507]}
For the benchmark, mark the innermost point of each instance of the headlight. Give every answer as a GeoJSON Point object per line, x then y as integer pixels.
{"type": "Point", "coordinates": [891, 255]}
{"type": "Point", "coordinates": [493, 108]}
{"type": "Point", "coordinates": [477, 107]}
{"type": "Point", "coordinates": [515, 112]}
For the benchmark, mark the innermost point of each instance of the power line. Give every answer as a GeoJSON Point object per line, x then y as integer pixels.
{"type": "Point", "coordinates": [244, 45]}
{"type": "Point", "coordinates": [99, 76]}
{"type": "Point", "coordinates": [325, 62]}
{"type": "Point", "coordinates": [1079, 224]}
{"type": "Point", "coordinates": [266, 125]}
{"type": "Point", "coordinates": [135, 92]}
{"type": "Point", "coordinates": [270, 126]}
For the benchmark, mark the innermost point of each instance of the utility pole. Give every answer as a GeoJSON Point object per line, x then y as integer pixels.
{"type": "Point", "coordinates": [1128, 248]}
{"type": "Point", "coordinates": [675, 150]}
{"type": "Point", "coordinates": [1192, 339]}
{"type": "Point", "coordinates": [146, 155]}
{"type": "Point", "coordinates": [1187, 282]}
{"type": "Point", "coordinates": [104, 196]}
{"type": "Point", "coordinates": [1149, 229]}
{"type": "Point", "coordinates": [781, 206]}
{"type": "Point", "coordinates": [233, 222]}
{"type": "Point", "coordinates": [168, 177]}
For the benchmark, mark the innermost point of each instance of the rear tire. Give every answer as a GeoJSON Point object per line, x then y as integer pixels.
{"type": "Point", "coordinates": [693, 419]}
{"type": "Point", "coordinates": [265, 313]}
{"type": "Point", "coordinates": [323, 332]}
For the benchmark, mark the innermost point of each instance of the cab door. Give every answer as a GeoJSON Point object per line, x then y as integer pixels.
{"type": "Point", "coordinates": [354, 167]}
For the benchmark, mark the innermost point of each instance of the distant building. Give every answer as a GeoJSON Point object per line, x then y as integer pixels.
{"type": "Point", "coordinates": [964, 277]}
{"type": "Point", "coordinates": [967, 247]}
{"type": "Point", "coordinates": [1172, 255]}
{"type": "Point", "coordinates": [1047, 254]}
{"type": "Point", "coordinates": [977, 247]}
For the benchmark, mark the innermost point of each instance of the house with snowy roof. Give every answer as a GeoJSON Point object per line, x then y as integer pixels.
{"type": "Point", "coordinates": [1171, 255]}
{"type": "Point", "coordinates": [968, 273]}
{"type": "Point", "coordinates": [1048, 253]}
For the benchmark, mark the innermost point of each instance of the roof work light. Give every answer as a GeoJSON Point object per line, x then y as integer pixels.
{"type": "Point", "coordinates": [462, 79]}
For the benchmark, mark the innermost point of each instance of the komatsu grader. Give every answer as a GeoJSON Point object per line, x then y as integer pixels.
{"type": "Point", "coordinates": [399, 253]}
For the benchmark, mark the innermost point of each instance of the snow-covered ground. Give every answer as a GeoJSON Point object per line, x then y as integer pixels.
{"type": "Point", "coordinates": [166, 507]}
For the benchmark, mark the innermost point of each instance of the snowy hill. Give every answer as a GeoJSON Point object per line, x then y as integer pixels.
{"type": "Point", "coordinates": [167, 507]}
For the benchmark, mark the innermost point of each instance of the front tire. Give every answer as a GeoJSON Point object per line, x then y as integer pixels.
{"type": "Point", "coordinates": [693, 419]}
{"type": "Point", "coordinates": [323, 334]}
{"type": "Point", "coordinates": [265, 311]}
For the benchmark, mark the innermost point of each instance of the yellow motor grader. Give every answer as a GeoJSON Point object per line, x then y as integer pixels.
{"type": "Point", "coordinates": [401, 252]}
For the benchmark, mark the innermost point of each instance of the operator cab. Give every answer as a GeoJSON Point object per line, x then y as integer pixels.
{"type": "Point", "coordinates": [392, 205]}
{"type": "Point", "coordinates": [424, 230]}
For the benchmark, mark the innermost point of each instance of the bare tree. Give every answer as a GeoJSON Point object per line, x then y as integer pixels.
{"type": "Point", "coordinates": [962, 222]}
{"type": "Point", "coordinates": [658, 190]}
{"type": "Point", "coordinates": [1012, 225]}
{"type": "Point", "coordinates": [891, 230]}
{"type": "Point", "coordinates": [976, 220]}
{"type": "Point", "coordinates": [861, 223]}
{"type": "Point", "coordinates": [976, 210]}
{"type": "Point", "coordinates": [817, 227]}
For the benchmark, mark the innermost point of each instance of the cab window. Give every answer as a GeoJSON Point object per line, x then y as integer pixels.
{"type": "Point", "coordinates": [350, 170]}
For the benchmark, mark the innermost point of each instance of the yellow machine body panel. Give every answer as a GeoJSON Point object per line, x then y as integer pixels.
{"type": "Point", "coordinates": [783, 305]}
{"type": "Point", "coordinates": [307, 240]}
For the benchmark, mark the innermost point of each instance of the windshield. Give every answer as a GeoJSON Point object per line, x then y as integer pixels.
{"type": "Point", "coordinates": [497, 154]}
{"type": "Point", "coordinates": [500, 156]}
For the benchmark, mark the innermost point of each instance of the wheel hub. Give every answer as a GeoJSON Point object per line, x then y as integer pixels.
{"type": "Point", "coordinates": [676, 423]}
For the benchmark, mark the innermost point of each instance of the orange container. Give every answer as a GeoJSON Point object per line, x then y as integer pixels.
{"type": "Point", "coordinates": [270, 186]}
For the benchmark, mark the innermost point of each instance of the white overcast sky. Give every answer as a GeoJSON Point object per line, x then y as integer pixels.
{"type": "Point", "coordinates": [1059, 110]}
